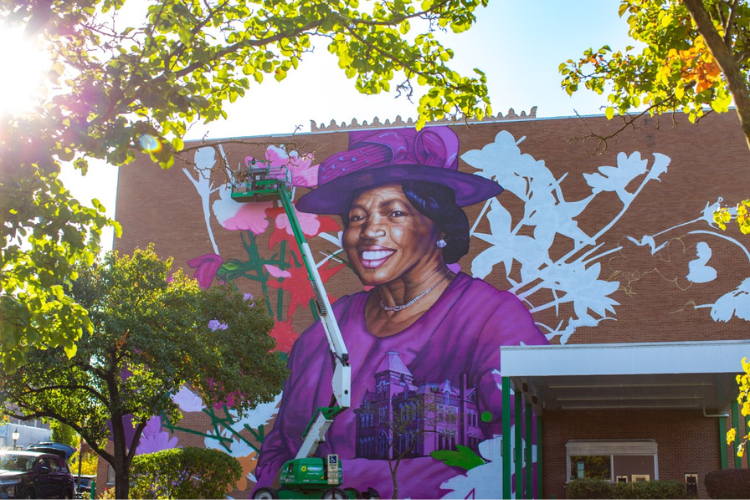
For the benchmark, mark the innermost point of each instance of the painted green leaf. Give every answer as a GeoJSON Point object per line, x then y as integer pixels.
{"type": "Point", "coordinates": [463, 457]}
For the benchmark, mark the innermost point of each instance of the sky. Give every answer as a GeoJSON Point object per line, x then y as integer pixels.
{"type": "Point", "coordinates": [518, 44]}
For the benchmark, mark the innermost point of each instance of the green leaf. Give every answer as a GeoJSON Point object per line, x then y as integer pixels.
{"type": "Point", "coordinates": [463, 457]}
{"type": "Point", "coordinates": [177, 144]}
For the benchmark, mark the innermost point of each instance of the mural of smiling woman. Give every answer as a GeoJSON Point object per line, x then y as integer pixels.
{"type": "Point", "coordinates": [420, 334]}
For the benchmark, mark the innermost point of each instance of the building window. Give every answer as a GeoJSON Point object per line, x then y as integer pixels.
{"type": "Point", "coordinates": [591, 467]}
{"type": "Point", "coordinates": [612, 460]}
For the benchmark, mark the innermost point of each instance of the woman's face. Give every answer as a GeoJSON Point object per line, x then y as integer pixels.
{"type": "Point", "coordinates": [387, 237]}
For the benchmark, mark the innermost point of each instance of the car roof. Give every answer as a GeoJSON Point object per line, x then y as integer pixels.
{"type": "Point", "coordinates": [24, 453]}
{"type": "Point", "coordinates": [59, 449]}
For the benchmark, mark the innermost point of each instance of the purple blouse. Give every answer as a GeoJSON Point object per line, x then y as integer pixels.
{"type": "Point", "coordinates": [455, 343]}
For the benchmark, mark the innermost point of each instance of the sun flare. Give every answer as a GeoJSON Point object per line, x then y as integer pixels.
{"type": "Point", "coordinates": [24, 67]}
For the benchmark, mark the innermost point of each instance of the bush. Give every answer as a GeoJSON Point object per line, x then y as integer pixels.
{"type": "Point", "coordinates": [728, 483]}
{"type": "Point", "coordinates": [107, 494]}
{"type": "Point", "coordinates": [589, 488]}
{"type": "Point", "coordinates": [598, 488]}
{"type": "Point", "coordinates": [650, 489]}
{"type": "Point", "coordinates": [188, 472]}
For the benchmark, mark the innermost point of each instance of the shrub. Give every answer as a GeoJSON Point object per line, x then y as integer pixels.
{"type": "Point", "coordinates": [728, 483]}
{"type": "Point", "coordinates": [188, 472]}
{"type": "Point", "coordinates": [598, 488]}
{"type": "Point", "coordinates": [107, 494]}
{"type": "Point", "coordinates": [650, 489]}
{"type": "Point", "coordinates": [589, 488]}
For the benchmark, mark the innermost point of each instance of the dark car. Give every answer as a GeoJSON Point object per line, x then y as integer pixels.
{"type": "Point", "coordinates": [31, 474]}
{"type": "Point", "coordinates": [83, 486]}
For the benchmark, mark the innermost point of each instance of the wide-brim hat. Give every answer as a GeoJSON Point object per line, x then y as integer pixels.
{"type": "Point", "coordinates": [378, 157]}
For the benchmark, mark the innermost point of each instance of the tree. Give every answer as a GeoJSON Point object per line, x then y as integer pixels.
{"type": "Point", "coordinates": [743, 381]}
{"type": "Point", "coordinates": [188, 472]}
{"type": "Point", "coordinates": [120, 90]}
{"type": "Point", "coordinates": [85, 461]}
{"type": "Point", "coordinates": [62, 433]}
{"type": "Point", "coordinates": [695, 53]}
{"type": "Point", "coordinates": [151, 336]}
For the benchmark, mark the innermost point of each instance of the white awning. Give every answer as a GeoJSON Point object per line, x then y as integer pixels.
{"type": "Point", "coordinates": [685, 375]}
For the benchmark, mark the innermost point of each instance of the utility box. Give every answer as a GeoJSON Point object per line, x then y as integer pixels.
{"type": "Point", "coordinates": [691, 482]}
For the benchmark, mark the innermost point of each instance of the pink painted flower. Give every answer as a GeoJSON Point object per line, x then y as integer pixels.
{"type": "Point", "coordinates": [228, 400]}
{"type": "Point", "coordinates": [312, 225]}
{"type": "Point", "coordinates": [304, 173]}
{"type": "Point", "coordinates": [236, 216]}
{"type": "Point", "coordinates": [277, 272]}
{"type": "Point", "coordinates": [206, 267]}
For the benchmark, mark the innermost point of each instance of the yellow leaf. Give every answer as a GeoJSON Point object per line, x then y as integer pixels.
{"type": "Point", "coordinates": [679, 91]}
{"type": "Point", "coordinates": [731, 435]}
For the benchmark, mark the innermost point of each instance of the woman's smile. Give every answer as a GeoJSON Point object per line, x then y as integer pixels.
{"type": "Point", "coordinates": [374, 256]}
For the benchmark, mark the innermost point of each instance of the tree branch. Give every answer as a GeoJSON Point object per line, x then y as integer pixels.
{"type": "Point", "coordinates": [627, 121]}
{"type": "Point", "coordinates": [737, 85]}
{"type": "Point", "coordinates": [88, 389]}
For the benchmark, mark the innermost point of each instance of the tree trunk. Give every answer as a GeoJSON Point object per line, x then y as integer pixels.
{"type": "Point", "coordinates": [120, 453]}
{"type": "Point", "coordinates": [737, 85]}
{"type": "Point", "coordinates": [122, 483]}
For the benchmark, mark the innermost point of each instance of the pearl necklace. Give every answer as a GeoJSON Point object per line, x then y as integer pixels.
{"type": "Point", "coordinates": [415, 299]}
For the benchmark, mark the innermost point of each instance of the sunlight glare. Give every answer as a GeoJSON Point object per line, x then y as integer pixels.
{"type": "Point", "coordinates": [24, 67]}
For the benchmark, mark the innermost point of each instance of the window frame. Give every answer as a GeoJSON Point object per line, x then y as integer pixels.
{"type": "Point", "coordinates": [611, 447]}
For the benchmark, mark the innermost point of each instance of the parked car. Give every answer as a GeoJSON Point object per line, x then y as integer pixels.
{"type": "Point", "coordinates": [32, 474]}
{"type": "Point", "coordinates": [83, 489]}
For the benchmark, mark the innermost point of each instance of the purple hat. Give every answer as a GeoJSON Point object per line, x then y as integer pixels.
{"type": "Point", "coordinates": [377, 157]}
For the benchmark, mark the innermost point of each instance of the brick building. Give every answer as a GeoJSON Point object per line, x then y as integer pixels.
{"type": "Point", "coordinates": [610, 246]}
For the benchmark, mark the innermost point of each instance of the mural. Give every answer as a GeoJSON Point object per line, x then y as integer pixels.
{"type": "Point", "coordinates": [403, 229]}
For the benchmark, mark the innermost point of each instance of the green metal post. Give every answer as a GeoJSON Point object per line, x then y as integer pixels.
{"type": "Point", "coordinates": [528, 427]}
{"type": "Point", "coordinates": [737, 428]}
{"type": "Point", "coordinates": [723, 443]}
{"type": "Point", "coordinates": [518, 422]}
{"type": "Point", "coordinates": [539, 457]}
{"type": "Point", "coordinates": [286, 202]}
{"type": "Point", "coordinates": [507, 458]}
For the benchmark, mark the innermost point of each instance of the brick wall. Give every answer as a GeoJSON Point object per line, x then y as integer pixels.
{"type": "Point", "coordinates": [708, 162]}
{"type": "Point", "coordinates": [688, 442]}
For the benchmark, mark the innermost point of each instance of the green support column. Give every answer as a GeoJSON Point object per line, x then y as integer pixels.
{"type": "Point", "coordinates": [528, 427]}
{"type": "Point", "coordinates": [518, 422]}
{"type": "Point", "coordinates": [507, 458]}
{"type": "Point", "coordinates": [737, 428]}
{"type": "Point", "coordinates": [539, 456]}
{"type": "Point", "coordinates": [723, 443]}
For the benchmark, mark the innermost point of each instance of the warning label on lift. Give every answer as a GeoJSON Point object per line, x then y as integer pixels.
{"type": "Point", "coordinates": [333, 469]}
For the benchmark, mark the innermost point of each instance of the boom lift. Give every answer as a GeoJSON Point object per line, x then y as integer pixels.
{"type": "Point", "coordinates": [305, 476]}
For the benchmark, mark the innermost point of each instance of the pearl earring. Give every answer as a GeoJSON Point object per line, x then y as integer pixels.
{"type": "Point", "coordinates": [441, 243]}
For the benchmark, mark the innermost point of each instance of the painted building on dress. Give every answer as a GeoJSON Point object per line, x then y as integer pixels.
{"type": "Point", "coordinates": [610, 246]}
{"type": "Point", "coordinates": [400, 419]}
